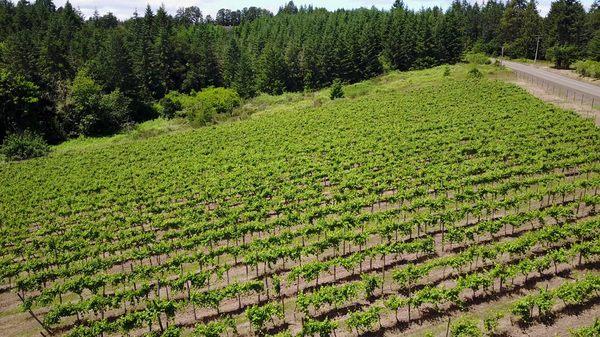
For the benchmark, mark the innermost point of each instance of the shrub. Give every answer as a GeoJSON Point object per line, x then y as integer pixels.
{"type": "Point", "coordinates": [464, 327]}
{"type": "Point", "coordinates": [24, 146]}
{"type": "Point", "coordinates": [562, 56]}
{"type": "Point", "coordinates": [220, 99]}
{"type": "Point", "coordinates": [475, 73]}
{"type": "Point", "coordinates": [200, 114]}
{"type": "Point", "coordinates": [491, 323]}
{"type": "Point", "coordinates": [202, 108]}
{"type": "Point", "coordinates": [337, 91]}
{"type": "Point", "coordinates": [588, 68]}
{"type": "Point", "coordinates": [477, 58]}
{"type": "Point", "coordinates": [115, 109]}
{"type": "Point", "coordinates": [168, 106]}
{"type": "Point", "coordinates": [446, 71]}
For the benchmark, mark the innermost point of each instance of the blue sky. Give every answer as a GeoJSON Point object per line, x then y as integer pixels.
{"type": "Point", "coordinates": [124, 8]}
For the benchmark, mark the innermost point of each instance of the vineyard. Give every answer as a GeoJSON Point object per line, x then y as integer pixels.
{"type": "Point", "coordinates": [422, 204]}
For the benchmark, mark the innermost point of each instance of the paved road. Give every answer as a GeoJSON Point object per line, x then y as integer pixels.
{"type": "Point", "coordinates": [557, 80]}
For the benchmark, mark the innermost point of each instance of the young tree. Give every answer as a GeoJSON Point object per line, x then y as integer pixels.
{"type": "Point", "coordinates": [337, 90]}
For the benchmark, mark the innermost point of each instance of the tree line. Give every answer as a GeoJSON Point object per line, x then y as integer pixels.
{"type": "Point", "coordinates": [62, 75]}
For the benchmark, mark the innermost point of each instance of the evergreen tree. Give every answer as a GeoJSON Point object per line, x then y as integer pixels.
{"type": "Point", "coordinates": [491, 17]}
{"type": "Point", "coordinates": [527, 42]}
{"type": "Point", "coordinates": [370, 50]}
{"type": "Point", "coordinates": [245, 81]}
{"type": "Point", "coordinates": [565, 24]}
{"type": "Point", "coordinates": [511, 25]}
{"type": "Point", "coordinates": [450, 37]}
{"type": "Point", "coordinates": [232, 62]}
{"type": "Point", "coordinates": [163, 49]}
{"type": "Point", "coordinates": [273, 74]}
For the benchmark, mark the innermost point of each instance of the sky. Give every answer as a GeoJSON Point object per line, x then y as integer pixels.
{"type": "Point", "coordinates": [124, 8]}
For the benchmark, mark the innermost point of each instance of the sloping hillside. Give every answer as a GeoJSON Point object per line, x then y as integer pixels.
{"type": "Point", "coordinates": [416, 195]}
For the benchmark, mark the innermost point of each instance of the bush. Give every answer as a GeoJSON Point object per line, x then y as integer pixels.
{"type": "Point", "coordinates": [474, 73]}
{"type": "Point", "coordinates": [200, 114]}
{"type": "Point", "coordinates": [588, 68]}
{"type": "Point", "coordinates": [337, 91]}
{"type": "Point", "coordinates": [220, 99]}
{"type": "Point", "coordinates": [24, 146]}
{"type": "Point", "coordinates": [446, 71]}
{"type": "Point", "coordinates": [169, 105]}
{"type": "Point", "coordinates": [115, 109]}
{"type": "Point", "coordinates": [464, 327]}
{"type": "Point", "coordinates": [477, 58]}
{"type": "Point", "coordinates": [202, 108]}
{"type": "Point", "coordinates": [562, 56]}
{"type": "Point", "coordinates": [491, 323]}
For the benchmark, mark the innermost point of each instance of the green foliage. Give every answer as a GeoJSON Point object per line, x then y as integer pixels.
{"type": "Point", "coordinates": [171, 331]}
{"type": "Point", "coordinates": [215, 328]}
{"type": "Point", "coordinates": [337, 90]}
{"type": "Point", "coordinates": [18, 103]}
{"type": "Point", "coordinates": [562, 55]}
{"type": "Point", "coordinates": [589, 331]}
{"type": "Point", "coordinates": [446, 71]}
{"type": "Point", "coordinates": [544, 302]}
{"type": "Point", "coordinates": [571, 293]}
{"type": "Point", "coordinates": [273, 74]}
{"type": "Point", "coordinates": [200, 108]}
{"type": "Point", "coordinates": [153, 53]}
{"type": "Point", "coordinates": [363, 321]}
{"type": "Point", "coordinates": [169, 106]}
{"type": "Point", "coordinates": [491, 323]}
{"type": "Point", "coordinates": [312, 327]}
{"type": "Point", "coordinates": [523, 308]}
{"type": "Point", "coordinates": [465, 327]}
{"type": "Point", "coordinates": [260, 315]}
{"type": "Point", "coordinates": [220, 100]}
{"type": "Point", "coordinates": [477, 58]}
{"type": "Point", "coordinates": [565, 24]}
{"type": "Point", "coordinates": [475, 73]}
{"type": "Point", "coordinates": [209, 204]}
{"type": "Point", "coordinates": [88, 111]}
{"type": "Point", "coordinates": [20, 146]}
{"type": "Point", "coordinates": [593, 47]}
{"type": "Point", "coordinates": [370, 284]}
{"type": "Point", "coordinates": [588, 68]}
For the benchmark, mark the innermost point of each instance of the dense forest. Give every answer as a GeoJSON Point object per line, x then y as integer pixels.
{"type": "Point", "coordinates": [63, 75]}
